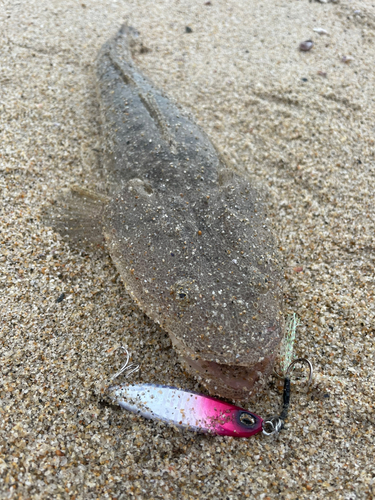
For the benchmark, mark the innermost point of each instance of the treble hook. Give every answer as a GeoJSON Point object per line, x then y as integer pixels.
{"type": "Point", "coordinates": [128, 368]}
{"type": "Point", "coordinates": [275, 424]}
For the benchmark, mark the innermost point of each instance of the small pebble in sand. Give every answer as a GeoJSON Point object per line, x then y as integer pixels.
{"type": "Point", "coordinates": [346, 59]}
{"type": "Point", "coordinates": [298, 269]}
{"type": "Point", "coordinates": [188, 29]}
{"type": "Point", "coordinates": [320, 31]}
{"type": "Point", "coordinates": [306, 45]}
{"type": "Point", "coordinates": [322, 73]}
{"type": "Point", "coordinates": [61, 298]}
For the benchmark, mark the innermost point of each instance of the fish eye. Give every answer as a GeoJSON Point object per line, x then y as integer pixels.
{"type": "Point", "coordinates": [247, 419]}
{"type": "Point", "coordinates": [183, 292]}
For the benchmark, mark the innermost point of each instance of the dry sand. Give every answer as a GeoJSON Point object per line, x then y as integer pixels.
{"type": "Point", "coordinates": [309, 137]}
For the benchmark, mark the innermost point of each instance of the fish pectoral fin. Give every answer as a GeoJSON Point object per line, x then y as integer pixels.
{"type": "Point", "coordinates": [77, 215]}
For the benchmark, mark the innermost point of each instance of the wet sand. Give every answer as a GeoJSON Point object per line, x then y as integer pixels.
{"type": "Point", "coordinates": [300, 123]}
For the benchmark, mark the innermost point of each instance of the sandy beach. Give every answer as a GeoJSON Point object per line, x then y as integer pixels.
{"type": "Point", "coordinates": [299, 123]}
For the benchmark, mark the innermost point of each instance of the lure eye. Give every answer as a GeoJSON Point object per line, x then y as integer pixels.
{"type": "Point", "coordinates": [247, 419]}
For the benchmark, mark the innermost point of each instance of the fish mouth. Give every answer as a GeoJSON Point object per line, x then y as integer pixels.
{"type": "Point", "coordinates": [226, 380]}
{"type": "Point", "coordinates": [230, 381]}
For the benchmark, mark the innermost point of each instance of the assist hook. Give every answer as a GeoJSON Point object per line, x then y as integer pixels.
{"type": "Point", "coordinates": [276, 423]}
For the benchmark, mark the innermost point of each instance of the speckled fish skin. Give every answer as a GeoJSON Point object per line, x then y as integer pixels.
{"type": "Point", "coordinates": [189, 237]}
{"type": "Point", "coordinates": [187, 410]}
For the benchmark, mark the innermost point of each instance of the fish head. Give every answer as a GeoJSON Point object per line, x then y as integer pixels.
{"type": "Point", "coordinates": [203, 266]}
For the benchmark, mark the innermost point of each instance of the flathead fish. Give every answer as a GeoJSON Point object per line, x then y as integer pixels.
{"type": "Point", "coordinates": [189, 237]}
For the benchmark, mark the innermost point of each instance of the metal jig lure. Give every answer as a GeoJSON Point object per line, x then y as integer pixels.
{"type": "Point", "coordinates": [197, 412]}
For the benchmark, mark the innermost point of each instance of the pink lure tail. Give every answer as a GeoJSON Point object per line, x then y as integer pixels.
{"type": "Point", "coordinates": [188, 410]}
